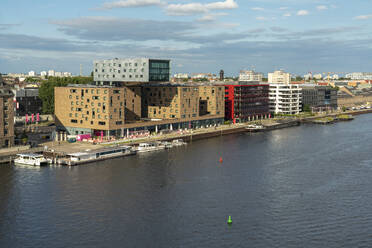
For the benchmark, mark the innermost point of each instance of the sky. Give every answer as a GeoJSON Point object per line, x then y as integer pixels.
{"type": "Point", "coordinates": [298, 36]}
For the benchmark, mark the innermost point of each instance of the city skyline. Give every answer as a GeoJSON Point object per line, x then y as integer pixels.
{"type": "Point", "coordinates": [198, 36]}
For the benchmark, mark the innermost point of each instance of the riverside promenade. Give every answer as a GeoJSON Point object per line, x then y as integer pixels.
{"type": "Point", "coordinates": [63, 148]}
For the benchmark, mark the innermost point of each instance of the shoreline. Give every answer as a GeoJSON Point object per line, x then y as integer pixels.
{"type": "Point", "coordinates": [193, 135]}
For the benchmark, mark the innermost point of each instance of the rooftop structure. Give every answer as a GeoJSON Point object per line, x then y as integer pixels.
{"type": "Point", "coordinates": [131, 70]}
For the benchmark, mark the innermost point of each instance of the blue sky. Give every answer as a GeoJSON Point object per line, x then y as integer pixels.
{"type": "Point", "coordinates": [298, 36]}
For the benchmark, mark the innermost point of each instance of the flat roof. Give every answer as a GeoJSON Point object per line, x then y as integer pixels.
{"type": "Point", "coordinates": [79, 154]}
{"type": "Point", "coordinates": [29, 155]}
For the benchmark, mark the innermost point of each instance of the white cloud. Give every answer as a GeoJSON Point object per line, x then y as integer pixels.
{"type": "Point", "coordinates": [211, 17]}
{"type": "Point", "coordinates": [302, 12]}
{"type": "Point", "coordinates": [363, 17]}
{"type": "Point", "coordinates": [261, 18]}
{"type": "Point", "coordinates": [257, 9]}
{"type": "Point", "coordinates": [321, 7]}
{"type": "Point", "coordinates": [287, 15]}
{"type": "Point", "coordinates": [185, 9]}
{"type": "Point", "coordinates": [197, 8]}
{"type": "Point", "coordinates": [283, 8]}
{"type": "Point", "coordinates": [131, 3]}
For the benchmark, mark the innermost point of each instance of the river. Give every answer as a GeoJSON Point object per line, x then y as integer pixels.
{"type": "Point", "coordinates": [307, 186]}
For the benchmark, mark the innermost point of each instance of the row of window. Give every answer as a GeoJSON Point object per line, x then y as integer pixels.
{"type": "Point", "coordinates": [120, 65]}
{"type": "Point", "coordinates": [123, 76]}
{"type": "Point", "coordinates": [97, 91]}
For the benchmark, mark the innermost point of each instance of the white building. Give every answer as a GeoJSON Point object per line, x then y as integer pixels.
{"type": "Point", "coordinates": [279, 77]}
{"type": "Point", "coordinates": [308, 76]}
{"type": "Point", "coordinates": [43, 73]}
{"type": "Point", "coordinates": [51, 73]}
{"type": "Point", "coordinates": [335, 77]}
{"type": "Point", "coordinates": [58, 74]}
{"type": "Point", "coordinates": [318, 76]}
{"type": "Point", "coordinates": [131, 70]}
{"type": "Point", "coordinates": [181, 76]}
{"type": "Point", "coordinates": [359, 76]}
{"type": "Point", "coordinates": [31, 74]}
{"type": "Point", "coordinates": [203, 76]}
{"type": "Point", "coordinates": [250, 76]}
{"type": "Point", "coordinates": [285, 98]}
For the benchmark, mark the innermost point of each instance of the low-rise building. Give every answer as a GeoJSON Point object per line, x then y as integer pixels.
{"type": "Point", "coordinates": [6, 116]}
{"type": "Point", "coordinates": [319, 98]}
{"type": "Point", "coordinates": [285, 98]}
{"type": "Point", "coordinates": [246, 102]}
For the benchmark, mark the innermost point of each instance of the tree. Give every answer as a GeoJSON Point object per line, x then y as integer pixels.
{"type": "Point", "coordinates": [307, 108]}
{"type": "Point", "coordinates": [46, 90]}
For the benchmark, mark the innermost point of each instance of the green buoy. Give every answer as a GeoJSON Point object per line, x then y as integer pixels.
{"type": "Point", "coordinates": [229, 221]}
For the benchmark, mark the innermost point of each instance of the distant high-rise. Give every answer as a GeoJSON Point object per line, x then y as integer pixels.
{"type": "Point", "coordinates": [222, 75]}
{"type": "Point", "coordinates": [250, 76]}
{"type": "Point", "coordinates": [279, 77]}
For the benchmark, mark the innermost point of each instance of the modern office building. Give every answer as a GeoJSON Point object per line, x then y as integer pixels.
{"type": "Point", "coordinates": [250, 76]}
{"type": "Point", "coordinates": [319, 98]}
{"type": "Point", "coordinates": [140, 70]}
{"type": "Point", "coordinates": [28, 102]}
{"type": "Point", "coordinates": [6, 116]}
{"type": "Point", "coordinates": [279, 77]}
{"type": "Point", "coordinates": [285, 98]}
{"type": "Point", "coordinates": [246, 102]}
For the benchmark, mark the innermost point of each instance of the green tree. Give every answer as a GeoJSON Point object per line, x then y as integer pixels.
{"type": "Point", "coordinates": [46, 90]}
{"type": "Point", "coordinates": [307, 108]}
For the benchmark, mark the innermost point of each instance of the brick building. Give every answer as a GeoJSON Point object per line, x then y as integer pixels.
{"type": "Point", "coordinates": [6, 116]}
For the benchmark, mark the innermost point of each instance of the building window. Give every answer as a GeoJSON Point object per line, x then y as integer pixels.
{"type": "Point", "coordinates": [73, 121]}
{"type": "Point", "coordinates": [102, 123]}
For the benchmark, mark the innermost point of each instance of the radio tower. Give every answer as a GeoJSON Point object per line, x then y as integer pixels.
{"type": "Point", "coordinates": [81, 70]}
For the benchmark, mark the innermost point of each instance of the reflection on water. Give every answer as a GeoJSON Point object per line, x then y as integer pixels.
{"type": "Point", "coordinates": [306, 186]}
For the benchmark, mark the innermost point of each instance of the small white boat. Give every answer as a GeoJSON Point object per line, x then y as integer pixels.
{"type": "Point", "coordinates": [167, 144]}
{"type": "Point", "coordinates": [149, 147]}
{"type": "Point", "coordinates": [178, 142]}
{"type": "Point", "coordinates": [30, 159]}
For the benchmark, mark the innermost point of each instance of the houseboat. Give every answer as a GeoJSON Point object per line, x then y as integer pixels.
{"type": "Point", "coordinates": [97, 155]}
{"type": "Point", "coordinates": [30, 159]}
{"type": "Point", "coordinates": [149, 147]}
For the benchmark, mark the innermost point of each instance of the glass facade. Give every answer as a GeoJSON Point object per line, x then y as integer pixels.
{"type": "Point", "coordinates": [159, 70]}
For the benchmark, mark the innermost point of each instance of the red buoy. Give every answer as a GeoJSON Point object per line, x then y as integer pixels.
{"type": "Point", "coordinates": [221, 160]}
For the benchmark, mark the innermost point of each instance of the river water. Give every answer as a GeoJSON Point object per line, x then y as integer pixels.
{"type": "Point", "coordinates": [307, 186]}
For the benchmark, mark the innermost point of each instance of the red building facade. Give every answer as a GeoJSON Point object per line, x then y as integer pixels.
{"type": "Point", "coordinates": [246, 102]}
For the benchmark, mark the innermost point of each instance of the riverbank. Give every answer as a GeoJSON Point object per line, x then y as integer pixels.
{"type": "Point", "coordinates": [64, 148]}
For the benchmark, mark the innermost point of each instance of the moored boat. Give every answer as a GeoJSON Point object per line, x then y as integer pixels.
{"type": "Point", "coordinates": [149, 147]}
{"type": "Point", "coordinates": [97, 155]}
{"type": "Point", "coordinates": [178, 142]}
{"type": "Point", "coordinates": [30, 159]}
